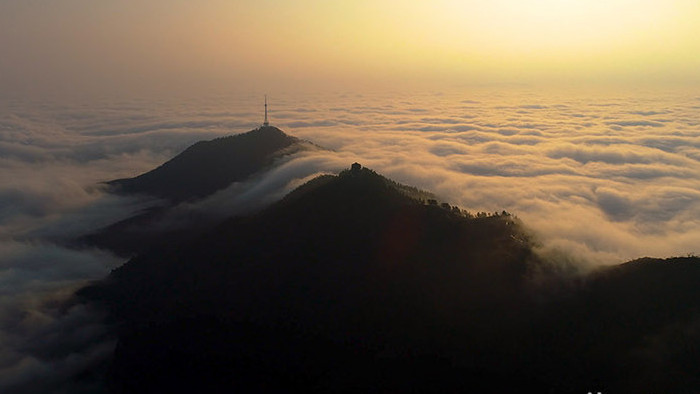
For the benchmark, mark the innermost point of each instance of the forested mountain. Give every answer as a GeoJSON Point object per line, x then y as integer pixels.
{"type": "Point", "coordinates": [350, 283]}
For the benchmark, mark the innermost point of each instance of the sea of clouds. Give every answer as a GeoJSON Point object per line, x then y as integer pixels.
{"type": "Point", "coordinates": [608, 177]}
{"type": "Point", "coordinates": [600, 178]}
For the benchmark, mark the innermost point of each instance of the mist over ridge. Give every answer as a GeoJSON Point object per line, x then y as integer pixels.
{"type": "Point", "coordinates": [354, 281]}
{"type": "Point", "coordinates": [605, 179]}
{"type": "Point", "coordinates": [627, 164]}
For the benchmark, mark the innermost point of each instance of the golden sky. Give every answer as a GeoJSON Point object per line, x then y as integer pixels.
{"type": "Point", "coordinates": [73, 43]}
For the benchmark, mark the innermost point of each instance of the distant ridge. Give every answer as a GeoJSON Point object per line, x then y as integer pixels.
{"type": "Point", "coordinates": [209, 166]}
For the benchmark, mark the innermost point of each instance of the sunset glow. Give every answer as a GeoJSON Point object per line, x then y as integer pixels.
{"type": "Point", "coordinates": [343, 42]}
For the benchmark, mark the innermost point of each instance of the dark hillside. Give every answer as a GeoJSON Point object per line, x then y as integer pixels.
{"type": "Point", "coordinates": [630, 328]}
{"type": "Point", "coordinates": [349, 284]}
{"type": "Point", "coordinates": [348, 263]}
{"type": "Point", "coordinates": [208, 166]}
{"type": "Point", "coordinates": [201, 170]}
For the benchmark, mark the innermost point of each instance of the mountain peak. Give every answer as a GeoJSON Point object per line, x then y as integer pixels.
{"type": "Point", "coordinates": [357, 186]}
{"type": "Point", "coordinates": [209, 166]}
{"type": "Point", "coordinates": [268, 129]}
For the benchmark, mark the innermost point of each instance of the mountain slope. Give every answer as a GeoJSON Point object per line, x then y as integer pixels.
{"type": "Point", "coordinates": [347, 263]}
{"type": "Point", "coordinates": [208, 166]}
{"type": "Point", "coordinates": [353, 226]}
{"type": "Point", "coordinates": [350, 284]}
{"type": "Point", "coordinates": [630, 328]}
{"type": "Point", "coordinates": [199, 171]}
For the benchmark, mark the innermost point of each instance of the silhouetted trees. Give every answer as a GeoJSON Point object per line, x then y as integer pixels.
{"type": "Point", "coordinates": [349, 284]}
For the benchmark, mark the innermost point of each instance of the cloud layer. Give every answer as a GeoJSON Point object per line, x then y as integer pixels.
{"type": "Point", "coordinates": [612, 176]}
{"type": "Point", "coordinates": [606, 177]}
{"type": "Point", "coordinates": [52, 159]}
{"type": "Point", "coordinates": [624, 164]}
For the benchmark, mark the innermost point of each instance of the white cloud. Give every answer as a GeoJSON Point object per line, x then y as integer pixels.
{"type": "Point", "coordinates": [604, 179]}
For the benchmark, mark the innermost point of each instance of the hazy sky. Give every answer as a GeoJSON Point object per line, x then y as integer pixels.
{"type": "Point", "coordinates": [127, 45]}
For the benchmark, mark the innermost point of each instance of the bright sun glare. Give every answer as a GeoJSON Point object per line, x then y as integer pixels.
{"type": "Point", "coordinates": [560, 24]}
{"type": "Point", "coordinates": [545, 37]}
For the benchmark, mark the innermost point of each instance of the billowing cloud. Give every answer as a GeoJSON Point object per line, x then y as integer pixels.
{"type": "Point", "coordinates": [52, 160]}
{"type": "Point", "coordinates": [587, 161]}
{"type": "Point", "coordinates": [644, 123]}
{"type": "Point", "coordinates": [598, 179]}
{"type": "Point", "coordinates": [45, 342]}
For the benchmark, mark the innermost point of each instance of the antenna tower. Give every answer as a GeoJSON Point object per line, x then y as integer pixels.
{"type": "Point", "coordinates": [266, 123]}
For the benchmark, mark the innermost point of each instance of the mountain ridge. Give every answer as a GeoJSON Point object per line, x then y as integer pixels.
{"type": "Point", "coordinates": [208, 166]}
{"type": "Point", "coordinates": [330, 261]}
{"type": "Point", "coordinates": [354, 282]}
{"type": "Point", "coordinates": [198, 172]}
